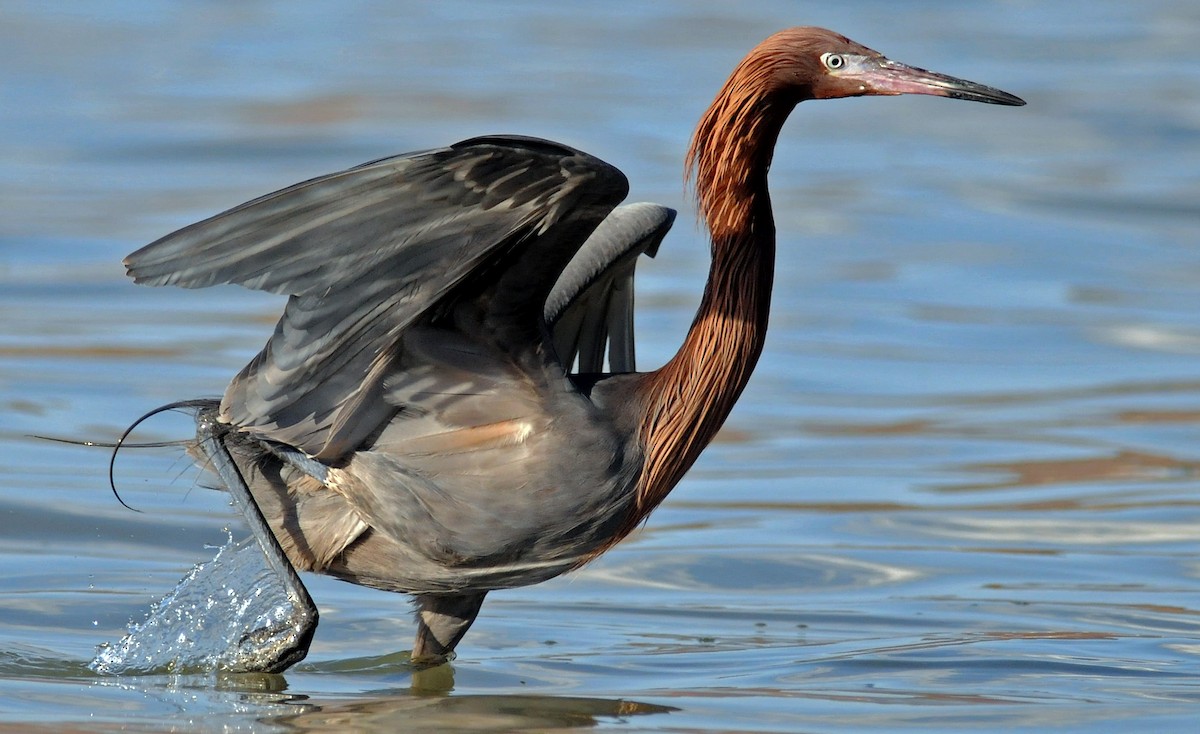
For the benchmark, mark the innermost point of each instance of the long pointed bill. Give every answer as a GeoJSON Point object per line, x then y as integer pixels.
{"type": "Point", "coordinates": [884, 76]}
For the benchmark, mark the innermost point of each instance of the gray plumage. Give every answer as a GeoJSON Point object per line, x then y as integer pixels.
{"type": "Point", "coordinates": [413, 423]}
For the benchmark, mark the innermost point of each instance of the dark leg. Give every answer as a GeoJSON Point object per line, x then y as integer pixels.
{"type": "Point", "coordinates": [289, 649]}
{"type": "Point", "coordinates": [442, 620]}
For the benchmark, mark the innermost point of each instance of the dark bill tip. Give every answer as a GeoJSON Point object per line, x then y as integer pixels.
{"type": "Point", "coordinates": [890, 77]}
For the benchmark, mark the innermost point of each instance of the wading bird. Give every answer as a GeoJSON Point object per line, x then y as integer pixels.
{"type": "Point", "coordinates": [432, 414]}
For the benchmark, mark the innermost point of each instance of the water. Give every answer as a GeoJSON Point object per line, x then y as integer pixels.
{"type": "Point", "coordinates": [960, 492]}
{"type": "Point", "coordinates": [230, 614]}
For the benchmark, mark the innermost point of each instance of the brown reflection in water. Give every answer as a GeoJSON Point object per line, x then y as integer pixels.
{"type": "Point", "coordinates": [1159, 416]}
{"type": "Point", "coordinates": [1049, 635]}
{"type": "Point", "coordinates": [327, 109]}
{"type": "Point", "coordinates": [404, 712]}
{"type": "Point", "coordinates": [1124, 465]}
{"type": "Point", "coordinates": [58, 727]}
{"type": "Point", "coordinates": [428, 704]}
{"type": "Point", "coordinates": [93, 352]}
{"type": "Point", "coordinates": [1121, 466]}
{"type": "Point", "coordinates": [972, 638]}
{"type": "Point", "coordinates": [897, 428]}
{"type": "Point", "coordinates": [1165, 609]}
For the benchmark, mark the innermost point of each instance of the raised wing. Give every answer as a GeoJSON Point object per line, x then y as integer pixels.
{"type": "Point", "coordinates": [591, 305]}
{"type": "Point", "coordinates": [367, 252]}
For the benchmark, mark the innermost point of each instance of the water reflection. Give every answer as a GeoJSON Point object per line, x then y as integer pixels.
{"type": "Point", "coordinates": [748, 570]}
{"type": "Point", "coordinates": [225, 701]}
{"type": "Point", "coordinates": [233, 701]}
{"type": "Point", "coordinates": [407, 712]}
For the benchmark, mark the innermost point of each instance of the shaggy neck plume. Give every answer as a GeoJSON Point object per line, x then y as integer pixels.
{"type": "Point", "coordinates": [689, 398]}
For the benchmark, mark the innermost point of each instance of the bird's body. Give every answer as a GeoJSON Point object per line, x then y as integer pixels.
{"type": "Point", "coordinates": [433, 414]}
{"type": "Point", "coordinates": [452, 458]}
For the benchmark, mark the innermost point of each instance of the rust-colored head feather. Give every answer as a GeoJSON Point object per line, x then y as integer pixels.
{"type": "Point", "coordinates": [736, 136]}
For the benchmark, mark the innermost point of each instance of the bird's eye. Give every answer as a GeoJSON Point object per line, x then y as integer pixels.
{"type": "Point", "coordinates": [833, 61]}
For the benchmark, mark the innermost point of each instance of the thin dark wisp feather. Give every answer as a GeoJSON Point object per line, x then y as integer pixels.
{"type": "Point", "coordinates": [108, 445]}
{"type": "Point", "coordinates": [120, 443]}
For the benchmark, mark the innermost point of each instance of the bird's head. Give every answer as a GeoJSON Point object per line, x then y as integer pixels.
{"type": "Point", "coordinates": [732, 147]}
{"type": "Point", "coordinates": [815, 63]}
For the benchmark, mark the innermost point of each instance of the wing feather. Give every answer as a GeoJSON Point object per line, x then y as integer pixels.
{"type": "Point", "coordinates": [367, 252]}
{"type": "Point", "coordinates": [590, 308]}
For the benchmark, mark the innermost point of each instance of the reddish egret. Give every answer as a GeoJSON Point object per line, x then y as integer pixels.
{"type": "Point", "coordinates": [433, 414]}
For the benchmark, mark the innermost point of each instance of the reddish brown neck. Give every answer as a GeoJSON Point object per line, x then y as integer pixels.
{"type": "Point", "coordinates": [688, 399]}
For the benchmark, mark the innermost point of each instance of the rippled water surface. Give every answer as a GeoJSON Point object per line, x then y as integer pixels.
{"type": "Point", "coordinates": [961, 491]}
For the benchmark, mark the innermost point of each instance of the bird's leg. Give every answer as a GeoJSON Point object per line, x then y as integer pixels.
{"type": "Point", "coordinates": [442, 620]}
{"type": "Point", "coordinates": [302, 621]}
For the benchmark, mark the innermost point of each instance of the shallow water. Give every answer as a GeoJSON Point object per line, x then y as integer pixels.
{"type": "Point", "coordinates": [960, 492]}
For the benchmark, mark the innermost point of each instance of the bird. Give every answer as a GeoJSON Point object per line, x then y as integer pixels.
{"type": "Point", "coordinates": [449, 404]}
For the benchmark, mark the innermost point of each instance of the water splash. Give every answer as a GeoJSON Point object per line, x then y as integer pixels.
{"type": "Point", "coordinates": [229, 614]}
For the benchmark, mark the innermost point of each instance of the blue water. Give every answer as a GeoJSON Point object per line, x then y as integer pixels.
{"type": "Point", "coordinates": [961, 491]}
